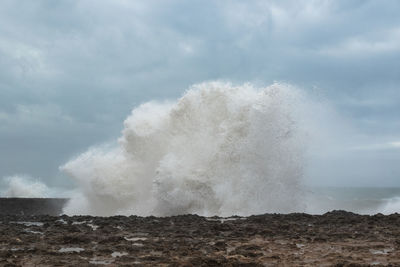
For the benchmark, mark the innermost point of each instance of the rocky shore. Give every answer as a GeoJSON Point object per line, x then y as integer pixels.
{"type": "Point", "coordinates": [336, 238]}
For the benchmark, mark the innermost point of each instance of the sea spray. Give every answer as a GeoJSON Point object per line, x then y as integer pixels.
{"type": "Point", "coordinates": [392, 205]}
{"type": "Point", "coordinates": [24, 186]}
{"type": "Point", "coordinates": [218, 150]}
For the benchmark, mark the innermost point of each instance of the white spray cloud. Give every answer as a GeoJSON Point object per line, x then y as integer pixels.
{"type": "Point", "coordinates": [45, 63]}
{"type": "Point", "coordinates": [220, 149]}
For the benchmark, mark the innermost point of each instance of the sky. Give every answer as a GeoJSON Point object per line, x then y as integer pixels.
{"type": "Point", "coordinates": [71, 72]}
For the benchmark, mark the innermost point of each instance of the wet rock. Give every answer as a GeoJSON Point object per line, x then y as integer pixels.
{"type": "Point", "coordinates": [336, 238]}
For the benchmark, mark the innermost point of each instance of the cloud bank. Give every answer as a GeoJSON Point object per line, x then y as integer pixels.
{"type": "Point", "coordinates": [71, 71]}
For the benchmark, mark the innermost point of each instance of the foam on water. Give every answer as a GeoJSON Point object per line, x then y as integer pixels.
{"type": "Point", "coordinates": [218, 150]}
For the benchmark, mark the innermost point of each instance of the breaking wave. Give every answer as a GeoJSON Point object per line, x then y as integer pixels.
{"type": "Point", "coordinates": [218, 150]}
{"type": "Point", "coordinates": [392, 206]}
{"type": "Point", "coordinates": [24, 186]}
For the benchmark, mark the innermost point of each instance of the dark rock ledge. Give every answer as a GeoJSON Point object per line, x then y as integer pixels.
{"type": "Point", "coordinates": [336, 238]}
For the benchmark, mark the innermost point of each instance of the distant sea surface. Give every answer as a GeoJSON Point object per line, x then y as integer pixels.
{"type": "Point", "coordinates": [318, 200]}
{"type": "Point", "coordinates": [362, 200]}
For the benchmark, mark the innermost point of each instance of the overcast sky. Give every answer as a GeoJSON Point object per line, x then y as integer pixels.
{"type": "Point", "coordinates": [71, 71]}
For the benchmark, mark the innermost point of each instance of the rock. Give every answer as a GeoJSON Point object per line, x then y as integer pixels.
{"type": "Point", "coordinates": [335, 238]}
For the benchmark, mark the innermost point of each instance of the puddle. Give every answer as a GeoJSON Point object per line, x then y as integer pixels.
{"type": "Point", "coordinates": [156, 253]}
{"type": "Point", "coordinates": [135, 238]}
{"type": "Point", "coordinates": [33, 232]}
{"type": "Point", "coordinates": [71, 249]}
{"type": "Point", "coordinates": [62, 221]}
{"type": "Point", "coordinates": [118, 254]}
{"type": "Point", "coordinates": [29, 223]}
{"type": "Point", "coordinates": [88, 223]}
{"type": "Point", "coordinates": [222, 220]}
{"type": "Point", "coordinates": [229, 249]}
{"type": "Point", "coordinates": [281, 242]}
{"type": "Point", "coordinates": [381, 252]}
{"type": "Point", "coordinates": [100, 262]}
{"type": "Point", "coordinates": [78, 223]}
{"type": "Point", "coordinates": [93, 226]}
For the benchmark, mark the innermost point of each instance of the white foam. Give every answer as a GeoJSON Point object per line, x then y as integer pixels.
{"type": "Point", "coordinates": [218, 150]}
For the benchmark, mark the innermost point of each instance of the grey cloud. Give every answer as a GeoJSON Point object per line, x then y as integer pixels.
{"type": "Point", "coordinates": [85, 64]}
